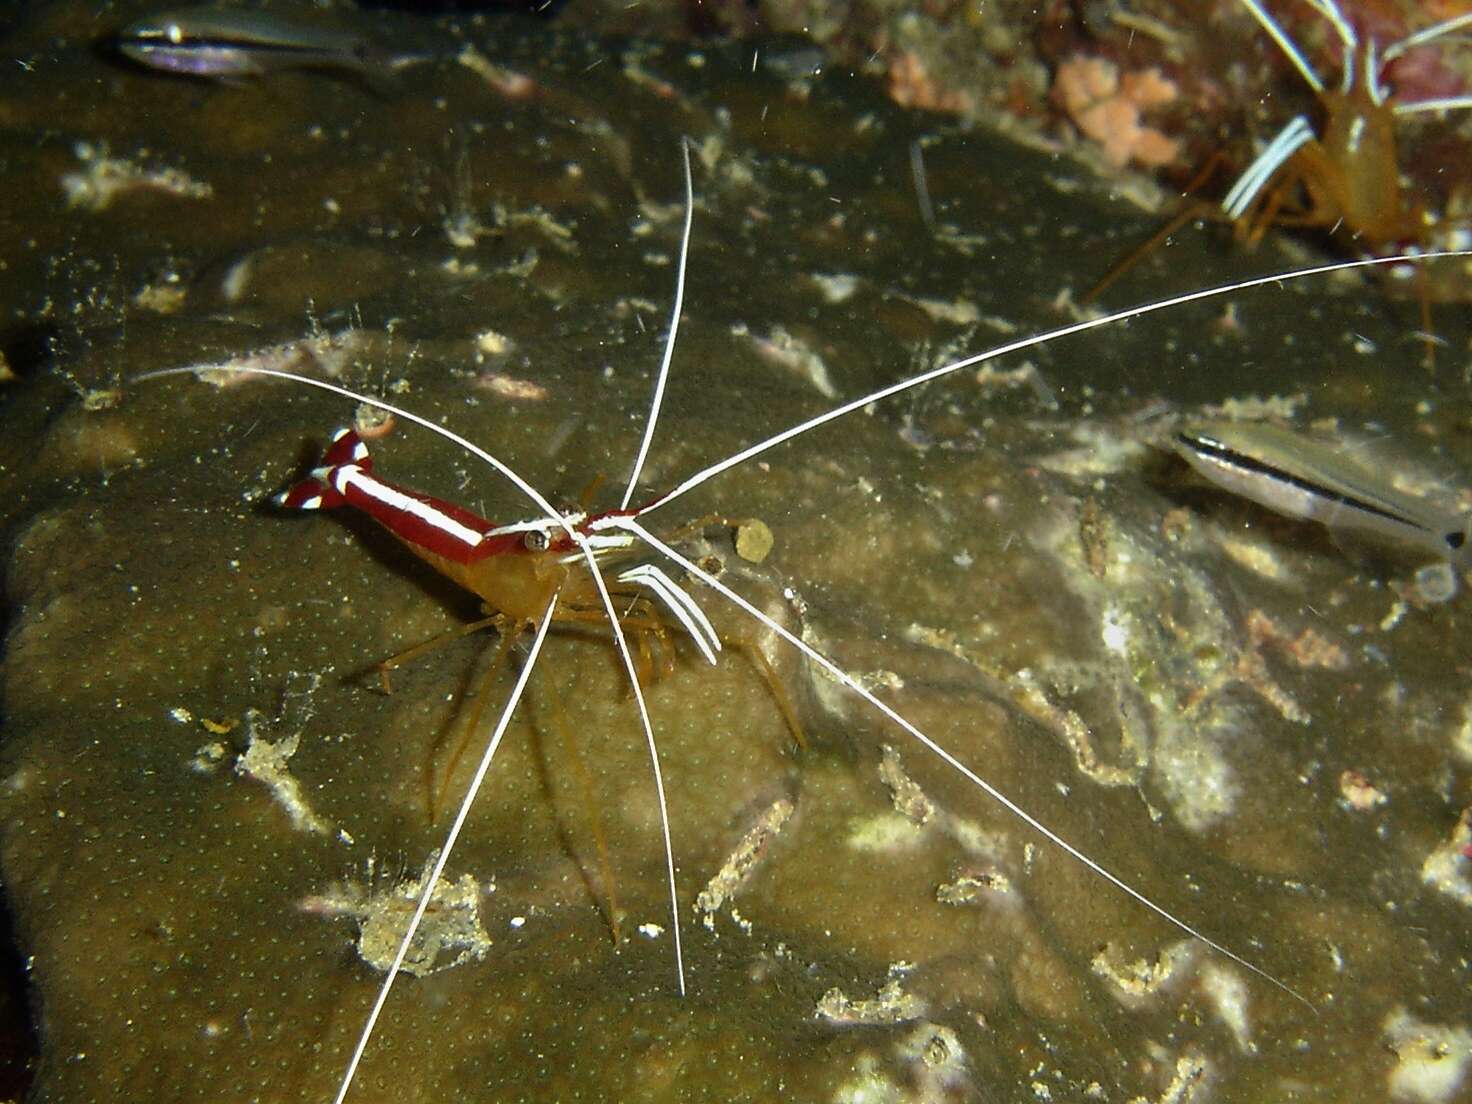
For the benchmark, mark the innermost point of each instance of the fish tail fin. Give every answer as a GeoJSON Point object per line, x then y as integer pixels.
{"type": "Point", "coordinates": [1459, 544]}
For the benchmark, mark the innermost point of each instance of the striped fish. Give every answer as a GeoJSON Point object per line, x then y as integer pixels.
{"type": "Point", "coordinates": [1300, 477]}
{"type": "Point", "coordinates": [223, 44]}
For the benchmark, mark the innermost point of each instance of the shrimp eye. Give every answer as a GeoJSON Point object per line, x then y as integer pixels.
{"type": "Point", "coordinates": [535, 541]}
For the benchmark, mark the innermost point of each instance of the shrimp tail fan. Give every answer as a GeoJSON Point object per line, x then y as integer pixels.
{"type": "Point", "coordinates": [316, 491]}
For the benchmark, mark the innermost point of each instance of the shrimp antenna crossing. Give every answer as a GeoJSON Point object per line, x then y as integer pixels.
{"type": "Point", "coordinates": [693, 481]}
{"type": "Point", "coordinates": [586, 547]}
{"type": "Point", "coordinates": [430, 883]}
{"type": "Point", "coordinates": [669, 346]}
{"type": "Point", "coordinates": [655, 403]}
{"type": "Point", "coordinates": [630, 525]}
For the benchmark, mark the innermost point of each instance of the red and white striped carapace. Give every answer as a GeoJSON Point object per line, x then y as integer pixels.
{"type": "Point", "coordinates": [514, 569]}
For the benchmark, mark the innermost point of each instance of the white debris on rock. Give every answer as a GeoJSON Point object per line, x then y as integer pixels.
{"type": "Point", "coordinates": [786, 351]}
{"type": "Point", "coordinates": [1431, 1060]}
{"type": "Point", "coordinates": [890, 1005]}
{"type": "Point", "coordinates": [1187, 1086]}
{"type": "Point", "coordinates": [329, 352]}
{"type": "Point", "coordinates": [935, 1060]}
{"type": "Point", "coordinates": [743, 861]}
{"type": "Point", "coordinates": [1228, 994]}
{"type": "Point", "coordinates": [266, 762]}
{"type": "Point", "coordinates": [1135, 982]}
{"type": "Point", "coordinates": [450, 933]}
{"type": "Point", "coordinates": [1448, 868]}
{"type": "Point", "coordinates": [101, 179]}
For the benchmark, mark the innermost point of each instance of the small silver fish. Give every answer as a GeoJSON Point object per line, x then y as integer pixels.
{"type": "Point", "coordinates": [207, 42]}
{"type": "Point", "coordinates": [1300, 477]}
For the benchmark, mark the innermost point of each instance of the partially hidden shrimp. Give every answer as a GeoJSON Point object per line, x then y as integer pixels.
{"type": "Point", "coordinates": [1341, 175]}
{"type": "Point", "coordinates": [1344, 176]}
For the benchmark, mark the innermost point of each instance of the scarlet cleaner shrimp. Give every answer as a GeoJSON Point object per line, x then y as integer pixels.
{"type": "Point", "coordinates": [579, 538]}
{"type": "Point", "coordinates": [1253, 731]}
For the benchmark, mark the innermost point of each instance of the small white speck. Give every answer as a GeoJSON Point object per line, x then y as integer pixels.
{"type": "Point", "coordinates": [651, 931]}
{"type": "Point", "coordinates": [1116, 636]}
{"type": "Point", "coordinates": [518, 921]}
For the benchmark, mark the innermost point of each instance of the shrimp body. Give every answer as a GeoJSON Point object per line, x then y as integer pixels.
{"type": "Point", "coordinates": [1359, 136]}
{"type": "Point", "coordinates": [1346, 179]}
{"type": "Point", "coordinates": [1343, 178]}
{"type": "Point", "coordinates": [515, 570]}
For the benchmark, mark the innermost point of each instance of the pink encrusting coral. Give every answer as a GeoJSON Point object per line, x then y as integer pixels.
{"type": "Point", "coordinates": [912, 85]}
{"type": "Point", "coordinates": [1107, 106]}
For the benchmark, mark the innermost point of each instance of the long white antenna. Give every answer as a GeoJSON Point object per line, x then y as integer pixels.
{"type": "Point", "coordinates": [1286, 44]}
{"type": "Point", "coordinates": [655, 403]}
{"type": "Point", "coordinates": [630, 525]}
{"type": "Point", "coordinates": [1350, 42]}
{"type": "Point", "coordinates": [1425, 35]}
{"type": "Point", "coordinates": [454, 834]}
{"type": "Point", "coordinates": [798, 430]}
{"type": "Point", "coordinates": [397, 411]}
{"type": "Point", "coordinates": [1418, 107]}
{"type": "Point", "coordinates": [669, 345]}
{"type": "Point", "coordinates": [664, 817]}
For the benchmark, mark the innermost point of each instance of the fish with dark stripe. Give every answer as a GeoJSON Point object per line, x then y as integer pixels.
{"type": "Point", "coordinates": [1301, 477]}
{"type": "Point", "coordinates": [206, 42]}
